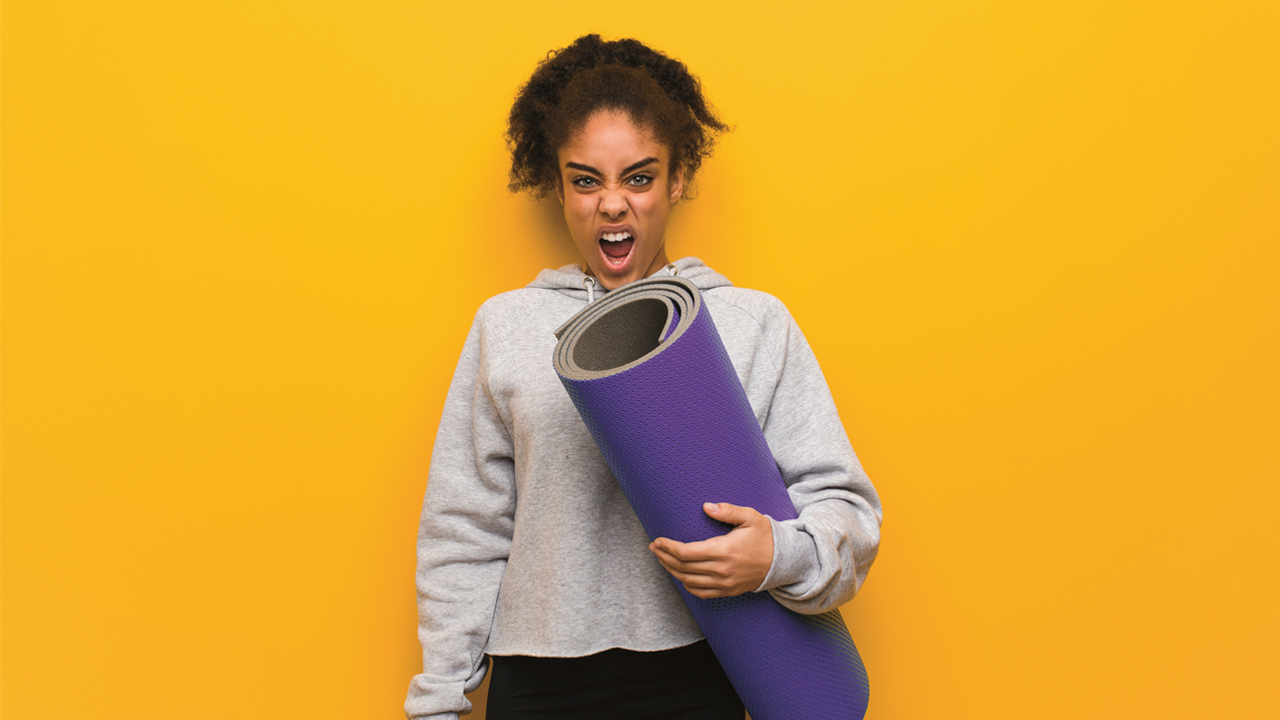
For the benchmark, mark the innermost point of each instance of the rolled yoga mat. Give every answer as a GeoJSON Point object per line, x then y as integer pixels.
{"type": "Point", "coordinates": [651, 378]}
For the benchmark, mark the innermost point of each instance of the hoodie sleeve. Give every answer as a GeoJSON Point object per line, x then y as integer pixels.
{"type": "Point", "coordinates": [464, 538]}
{"type": "Point", "coordinates": [821, 558]}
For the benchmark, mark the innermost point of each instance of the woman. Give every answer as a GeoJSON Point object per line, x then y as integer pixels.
{"type": "Point", "coordinates": [528, 552]}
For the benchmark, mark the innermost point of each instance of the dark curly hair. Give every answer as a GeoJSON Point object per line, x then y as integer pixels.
{"type": "Point", "coordinates": [574, 83]}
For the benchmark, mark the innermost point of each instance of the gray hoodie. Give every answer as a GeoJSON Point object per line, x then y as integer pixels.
{"type": "Point", "coordinates": [527, 545]}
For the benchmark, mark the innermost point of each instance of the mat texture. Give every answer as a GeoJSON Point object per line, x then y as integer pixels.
{"type": "Point", "coordinates": [650, 376]}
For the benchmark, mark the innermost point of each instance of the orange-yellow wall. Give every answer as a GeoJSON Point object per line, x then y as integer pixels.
{"type": "Point", "coordinates": [1033, 244]}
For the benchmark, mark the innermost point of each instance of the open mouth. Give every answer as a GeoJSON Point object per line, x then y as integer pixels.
{"type": "Point", "coordinates": [616, 248]}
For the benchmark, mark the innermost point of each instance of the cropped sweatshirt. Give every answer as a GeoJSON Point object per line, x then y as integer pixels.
{"type": "Point", "coordinates": [527, 545]}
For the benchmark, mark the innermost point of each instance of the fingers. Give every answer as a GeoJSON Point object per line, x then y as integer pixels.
{"type": "Point", "coordinates": [681, 558]}
{"type": "Point", "coordinates": [700, 573]}
{"type": "Point", "coordinates": [704, 584]}
{"type": "Point", "coordinates": [711, 549]}
{"type": "Point", "coordinates": [725, 565]}
{"type": "Point", "coordinates": [708, 591]}
{"type": "Point", "coordinates": [716, 546]}
{"type": "Point", "coordinates": [704, 578]}
{"type": "Point", "coordinates": [729, 513]}
{"type": "Point", "coordinates": [709, 586]}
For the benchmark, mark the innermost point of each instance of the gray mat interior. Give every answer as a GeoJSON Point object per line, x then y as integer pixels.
{"type": "Point", "coordinates": [622, 335]}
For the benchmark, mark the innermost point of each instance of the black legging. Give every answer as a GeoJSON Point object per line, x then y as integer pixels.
{"type": "Point", "coordinates": [684, 683]}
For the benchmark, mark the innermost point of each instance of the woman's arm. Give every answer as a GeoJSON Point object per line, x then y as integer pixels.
{"type": "Point", "coordinates": [818, 561]}
{"type": "Point", "coordinates": [821, 558]}
{"type": "Point", "coordinates": [464, 539]}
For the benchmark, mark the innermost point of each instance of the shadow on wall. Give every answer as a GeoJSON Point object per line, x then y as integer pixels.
{"type": "Point", "coordinates": [517, 235]}
{"type": "Point", "coordinates": [553, 235]}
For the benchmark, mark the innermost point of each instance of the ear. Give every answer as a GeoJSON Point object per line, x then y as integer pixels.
{"type": "Point", "coordinates": [677, 183]}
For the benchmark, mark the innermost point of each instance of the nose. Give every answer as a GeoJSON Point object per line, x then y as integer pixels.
{"type": "Point", "coordinates": [613, 203]}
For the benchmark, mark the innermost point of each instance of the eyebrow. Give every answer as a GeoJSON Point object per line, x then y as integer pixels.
{"type": "Point", "coordinates": [629, 168]}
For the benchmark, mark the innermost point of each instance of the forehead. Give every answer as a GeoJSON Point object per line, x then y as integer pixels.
{"type": "Point", "coordinates": [611, 136]}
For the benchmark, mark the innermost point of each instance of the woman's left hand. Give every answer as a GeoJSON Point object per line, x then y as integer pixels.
{"type": "Point", "coordinates": [726, 565]}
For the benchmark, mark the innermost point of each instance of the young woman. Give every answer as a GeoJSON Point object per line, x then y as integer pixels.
{"type": "Point", "coordinates": [528, 551]}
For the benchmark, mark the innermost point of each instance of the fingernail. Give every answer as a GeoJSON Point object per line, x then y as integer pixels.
{"type": "Point", "coordinates": [710, 506]}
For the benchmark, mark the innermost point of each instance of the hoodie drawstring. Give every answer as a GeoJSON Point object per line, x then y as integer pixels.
{"type": "Point", "coordinates": [589, 282]}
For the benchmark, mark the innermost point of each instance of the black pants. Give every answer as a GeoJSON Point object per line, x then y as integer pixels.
{"type": "Point", "coordinates": [680, 684]}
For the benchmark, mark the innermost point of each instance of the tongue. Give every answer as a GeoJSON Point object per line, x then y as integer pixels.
{"type": "Point", "coordinates": [616, 249]}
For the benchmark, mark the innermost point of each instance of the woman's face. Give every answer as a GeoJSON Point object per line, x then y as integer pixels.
{"type": "Point", "coordinates": [617, 189]}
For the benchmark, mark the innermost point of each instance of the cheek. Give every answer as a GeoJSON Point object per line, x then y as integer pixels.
{"type": "Point", "coordinates": [651, 208]}
{"type": "Point", "coordinates": [573, 211]}
{"type": "Point", "coordinates": [578, 217]}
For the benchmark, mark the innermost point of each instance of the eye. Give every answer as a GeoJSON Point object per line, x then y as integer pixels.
{"type": "Point", "coordinates": [639, 180]}
{"type": "Point", "coordinates": [584, 181]}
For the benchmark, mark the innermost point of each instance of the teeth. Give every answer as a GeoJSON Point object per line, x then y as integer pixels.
{"type": "Point", "coordinates": [616, 237]}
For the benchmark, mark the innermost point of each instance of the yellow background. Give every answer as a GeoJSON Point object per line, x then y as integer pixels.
{"type": "Point", "coordinates": [1034, 245]}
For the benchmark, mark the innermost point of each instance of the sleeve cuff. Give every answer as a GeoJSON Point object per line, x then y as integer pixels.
{"type": "Point", "coordinates": [795, 556]}
{"type": "Point", "coordinates": [435, 701]}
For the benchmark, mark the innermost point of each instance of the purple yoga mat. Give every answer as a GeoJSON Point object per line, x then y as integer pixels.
{"type": "Point", "coordinates": [647, 371]}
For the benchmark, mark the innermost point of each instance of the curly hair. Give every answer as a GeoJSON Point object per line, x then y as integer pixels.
{"type": "Point", "coordinates": [572, 84]}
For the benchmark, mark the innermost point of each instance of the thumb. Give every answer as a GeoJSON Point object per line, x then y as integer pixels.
{"type": "Point", "coordinates": [726, 512]}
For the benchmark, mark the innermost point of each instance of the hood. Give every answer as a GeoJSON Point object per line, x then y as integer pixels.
{"type": "Point", "coordinates": [568, 279]}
